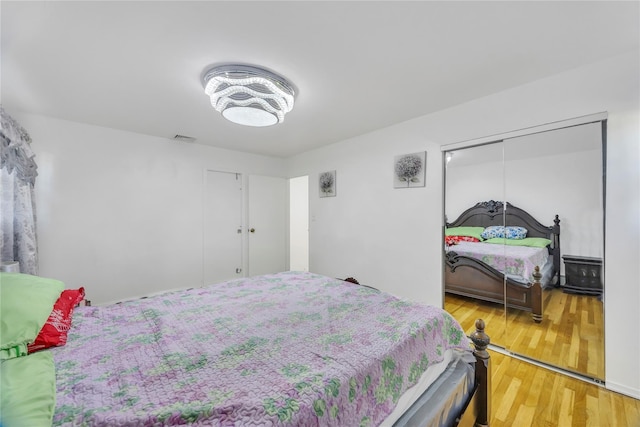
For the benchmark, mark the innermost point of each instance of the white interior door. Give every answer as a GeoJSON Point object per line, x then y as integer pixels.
{"type": "Point", "coordinates": [267, 224]}
{"type": "Point", "coordinates": [222, 227]}
{"type": "Point", "coordinates": [299, 223]}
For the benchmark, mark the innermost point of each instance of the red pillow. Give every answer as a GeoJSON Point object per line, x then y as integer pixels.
{"type": "Point", "coordinates": [454, 240]}
{"type": "Point", "coordinates": [54, 331]}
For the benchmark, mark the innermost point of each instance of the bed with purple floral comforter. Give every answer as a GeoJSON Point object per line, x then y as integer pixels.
{"type": "Point", "coordinates": [515, 261]}
{"type": "Point", "coordinates": [289, 349]}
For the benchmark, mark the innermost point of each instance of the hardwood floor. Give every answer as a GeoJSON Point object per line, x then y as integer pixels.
{"type": "Point", "coordinates": [571, 334]}
{"type": "Point", "coordinates": [524, 394]}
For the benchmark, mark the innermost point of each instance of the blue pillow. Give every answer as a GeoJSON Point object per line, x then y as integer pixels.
{"type": "Point", "coordinates": [501, 232]}
{"type": "Point", "coordinates": [517, 233]}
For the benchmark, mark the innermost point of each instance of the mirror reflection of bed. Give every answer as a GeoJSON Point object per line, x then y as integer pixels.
{"type": "Point", "coordinates": [498, 252]}
{"type": "Point", "coordinates": [557, 172]}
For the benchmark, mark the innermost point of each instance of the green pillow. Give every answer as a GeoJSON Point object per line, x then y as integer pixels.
{"type": "Point", "coordinates": [28, 386]}
{"type": "Point", "coordinates": [465, 231]}
{"type": "Point", "coordinates": [534, 242]}
{"type": "Point", "coordinates": [25, 305]}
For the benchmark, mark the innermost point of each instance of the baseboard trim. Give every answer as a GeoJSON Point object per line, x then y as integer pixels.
{"type": "Point", "coordinates": [623, 389]}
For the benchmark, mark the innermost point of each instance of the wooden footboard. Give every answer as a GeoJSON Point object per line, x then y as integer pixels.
{"type": "Point", "coordinates": [478, 410]}
{"type": "Point", "coordinates": [470, 277]}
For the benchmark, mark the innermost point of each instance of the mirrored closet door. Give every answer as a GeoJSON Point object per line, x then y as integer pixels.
{"type": "Point", "coordinates": [546, 190]}
{"type": "Point", "coordinates": [472, 175]}
{"type": "Point", "coordinates": [560, 172]}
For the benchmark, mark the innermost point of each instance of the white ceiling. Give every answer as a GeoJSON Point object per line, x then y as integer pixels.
{"type": "Point", "coordinates": [358, 66]}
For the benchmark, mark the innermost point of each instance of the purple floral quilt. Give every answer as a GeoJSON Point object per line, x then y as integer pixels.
{"type": "Point", "coordinates": [289, 349]}
{"type": "Point", "coordinates": [511, 260]}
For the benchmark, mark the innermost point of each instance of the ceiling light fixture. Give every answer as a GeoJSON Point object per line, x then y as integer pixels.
{"type": "Point", "coordinates": [248, 95]}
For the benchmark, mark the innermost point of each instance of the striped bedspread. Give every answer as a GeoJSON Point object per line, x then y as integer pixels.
{"type": "Point", "coordinates": [289, 349]}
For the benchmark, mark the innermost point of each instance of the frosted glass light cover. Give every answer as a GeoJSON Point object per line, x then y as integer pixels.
{"type": "Point", "coordinates": [249, 116]}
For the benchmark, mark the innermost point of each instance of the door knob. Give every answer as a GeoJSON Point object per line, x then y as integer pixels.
{"type": "Point", "coordinates": [252, 230]}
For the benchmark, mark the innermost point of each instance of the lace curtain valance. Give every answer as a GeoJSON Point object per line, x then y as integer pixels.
{"type": "Point", "coordinates": [15, 151]}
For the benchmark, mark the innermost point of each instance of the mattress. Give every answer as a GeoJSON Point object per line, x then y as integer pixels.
{"type": "Point", "coordinates": [431, 391]}
{"type": "Point", "coordinates": [290, 349]}
{"type": "Point", "coordinates": [516, 262]}
{"type": "Point", "coordinates": [445, 398]}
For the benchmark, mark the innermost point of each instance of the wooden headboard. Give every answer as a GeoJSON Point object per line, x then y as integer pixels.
{"type": "Point", "coordinates": [485, 214]}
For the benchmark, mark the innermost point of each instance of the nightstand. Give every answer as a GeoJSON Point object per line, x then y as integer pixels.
{"type": "Point", "coordinates": [583, 275]}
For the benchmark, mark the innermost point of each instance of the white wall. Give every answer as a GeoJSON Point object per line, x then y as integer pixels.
{"type": "Point", "coordinates": [121, 213]}
{"type": "Point", "coordinates": [392, 238]}
{"type": "Point", "coordinates": [474, 174]}
{"type": "Point", "coordinates": [371, 231]}
{"type": "Point", "coordinates": [569, 185]}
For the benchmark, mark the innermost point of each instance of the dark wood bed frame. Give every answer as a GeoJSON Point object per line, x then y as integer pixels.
{"type": "Point", "coordinates": [477, 410]}
{"type": "Point", "coordinates": [470, 277]}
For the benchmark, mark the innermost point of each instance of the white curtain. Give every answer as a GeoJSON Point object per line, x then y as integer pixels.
{"type": "Point", "coordinates": [18, 171]}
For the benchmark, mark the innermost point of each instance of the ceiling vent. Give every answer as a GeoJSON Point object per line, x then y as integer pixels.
{"type": "Point", "coordinates": [184, 138]}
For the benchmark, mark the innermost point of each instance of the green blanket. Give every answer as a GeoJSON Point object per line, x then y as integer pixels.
{"type": "Point", "coordinates": [27, 390]}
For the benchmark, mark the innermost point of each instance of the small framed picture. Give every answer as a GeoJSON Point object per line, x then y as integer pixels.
{"type": "Point", "coordinates": [327, 184]}
{"type": "Point", "coordinates": [409, 170]}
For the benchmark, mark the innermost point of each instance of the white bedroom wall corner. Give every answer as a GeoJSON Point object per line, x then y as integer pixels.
{"type": "Point", "coordinates": [120, 213]}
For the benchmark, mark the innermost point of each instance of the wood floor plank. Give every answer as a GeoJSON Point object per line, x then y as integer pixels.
{"type": "Point", "coordinates": [565, 414]}
{"type": "Point", "coordinates": [571, 334]}
{"type": "Point", "coordinates": [604, 405]}
{"type": "Point", "coordinates": [526, 415]}
{"type": "Point", "coordinates": [592, 412]}
{"type": "Point", "coordinates": [507, 401]}
{"type": "Point", "coordinates": [632, 411]}
{"type": "Point", "coordinates": [524, 394]}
